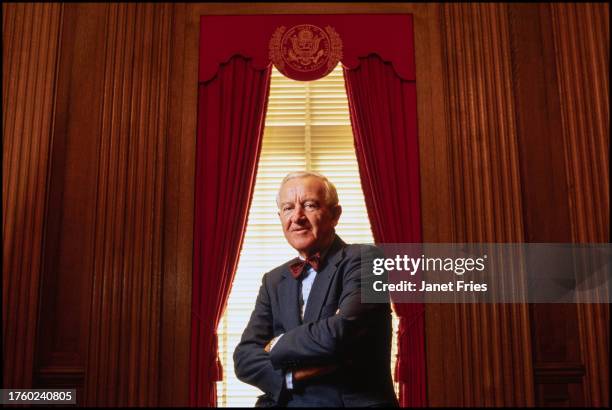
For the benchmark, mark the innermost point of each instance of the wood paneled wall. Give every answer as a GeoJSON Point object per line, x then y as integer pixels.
{"type": "Point", "coordinates": [491, 342]}
{"type": "Point", "coordinates": [86, 146]}
{"type": "Point", "coordinates": [560, 71]}
{"type": "Point", "coordinates": [99, 120]}
{"type": "Point", "coordinates": [30, 39]}
{"type": "Point", "coordinates": [582, 46]}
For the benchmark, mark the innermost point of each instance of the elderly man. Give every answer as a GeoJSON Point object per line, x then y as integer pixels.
{"type": "Point", "coordinates": [310, 340]}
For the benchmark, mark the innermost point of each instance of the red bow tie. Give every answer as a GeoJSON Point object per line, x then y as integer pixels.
{"type": "Point", "coordinates": [297, 268]}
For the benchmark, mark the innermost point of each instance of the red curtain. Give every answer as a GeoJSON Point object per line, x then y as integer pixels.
{"type": "Point", "coordinates": [383, 116]}
{"type": "Point", "coordinates": [231, 112]}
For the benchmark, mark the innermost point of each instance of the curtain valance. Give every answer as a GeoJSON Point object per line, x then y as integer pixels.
{"type": "Point", "coordinates": [307, 47]}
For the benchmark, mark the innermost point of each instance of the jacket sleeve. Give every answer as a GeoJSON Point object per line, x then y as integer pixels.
{"type": "Point", "coordinates": [251, 363]}
{"type": "Point", "coordinates": [323, 341]}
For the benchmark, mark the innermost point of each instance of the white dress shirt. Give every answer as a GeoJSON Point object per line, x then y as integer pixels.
{"type": "Point", "coordinates": [307, 282]}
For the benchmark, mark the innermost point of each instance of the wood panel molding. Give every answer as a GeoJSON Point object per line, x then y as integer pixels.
{"type": "Point", "coordinates": [558, 66]}
{"type": "Point", "coordinates": [65, 290]}
{"type": "Point", "coordinates": [30, 37]}
{"type": "Point", "coordinates": [562, 372]}
{"type": "Point", "coordinates": [179, 197]}
{"type": "Point", "coordinates": [560, 384]}
{"type": "Point", "coordinates": [60, 377]}
{"type": "Point", "coordinates": [493, 342]}
{"type": "Point", "coordinates": [582, 44]}
{"type": "Point", "coordinates": [124, 339]}
{"type": "Point", "coordinates": [546, 209]}
{"type": "Point", "coordinates": [100, 326]}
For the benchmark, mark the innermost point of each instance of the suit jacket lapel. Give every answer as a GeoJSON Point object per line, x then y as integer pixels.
{"type": "Point", "coordinates": [321, 284]}
{"type": "Point", "coordinates": [288, 301]}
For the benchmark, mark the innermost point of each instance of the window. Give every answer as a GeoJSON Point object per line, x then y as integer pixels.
{"type": "Point", "coordinates": [307, 128]}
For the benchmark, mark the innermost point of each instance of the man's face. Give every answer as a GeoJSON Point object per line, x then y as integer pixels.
{"type": "Point", "coordinates": [308, 222]}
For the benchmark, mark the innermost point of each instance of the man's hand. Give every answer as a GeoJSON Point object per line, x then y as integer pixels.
{"type": "Point", "coordinates": [270, 344]}
{"type": "Point", "coordinates": [315, 371]}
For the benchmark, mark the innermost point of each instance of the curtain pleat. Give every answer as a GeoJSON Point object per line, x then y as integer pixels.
{"type": "Point", "coordinates": [383, 116]}
{"type": "Point", "coordinates": [231, 113]}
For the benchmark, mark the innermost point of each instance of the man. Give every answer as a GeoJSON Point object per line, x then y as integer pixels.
{"type": "Point", "coordinates": [310, 341]}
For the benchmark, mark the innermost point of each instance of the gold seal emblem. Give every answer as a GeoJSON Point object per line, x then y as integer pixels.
{"type": "Point", "coordinates": [305, 52]}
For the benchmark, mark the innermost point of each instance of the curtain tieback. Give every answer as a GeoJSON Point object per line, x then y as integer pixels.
{"type": "Point", "coordinates": [215, 369]}
{"type": "Point", "coordinates": [402, 371]}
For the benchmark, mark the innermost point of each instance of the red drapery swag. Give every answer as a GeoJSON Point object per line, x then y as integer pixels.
{"type": "Point", "coordinates": [383, 116]}
{"type": "Point", "coordinates": [231, 112]}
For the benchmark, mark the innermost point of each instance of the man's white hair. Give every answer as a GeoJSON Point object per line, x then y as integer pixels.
{"type": "Point", "coordinates": [331, 195]}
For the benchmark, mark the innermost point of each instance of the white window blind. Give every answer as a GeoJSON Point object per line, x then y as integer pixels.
{"type": "Point", "coordinates": [307, 128]}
